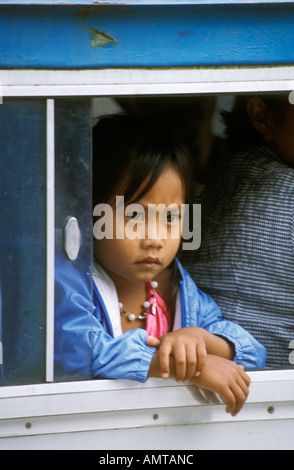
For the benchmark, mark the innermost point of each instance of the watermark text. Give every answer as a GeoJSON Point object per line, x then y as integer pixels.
{"type": "Point", "coordinates": [135, 221]}
{"type": "Point", "coordinates": [291, 355]}
{"type": "Point", "coordinates": [148, 459]}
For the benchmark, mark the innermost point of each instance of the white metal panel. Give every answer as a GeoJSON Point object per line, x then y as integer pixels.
{"type": "Point", "coordinates": [260, 435]}
{"type": "Point", "coordinates": [93, 414]}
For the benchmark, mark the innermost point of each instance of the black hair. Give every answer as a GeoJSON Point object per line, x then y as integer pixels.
{"type": "Point", "coordinates": [239, 131]}
{"type": "Point", "coordinates": [140, 149]}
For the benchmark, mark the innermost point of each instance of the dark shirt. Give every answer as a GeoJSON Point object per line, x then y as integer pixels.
{"type": "Point", "coordinates": [246, 258]}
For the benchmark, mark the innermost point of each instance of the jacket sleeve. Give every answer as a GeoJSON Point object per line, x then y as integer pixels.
{"type": "Point", "coordinates": [202, 311]}
{"type": "Point", "coordinates": [83, 348]}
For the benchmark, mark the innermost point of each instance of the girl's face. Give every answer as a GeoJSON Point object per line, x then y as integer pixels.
{"type": "Point", "coordinates": [152, 232]}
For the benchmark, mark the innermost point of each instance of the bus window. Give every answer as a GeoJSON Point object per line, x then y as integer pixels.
{"type": "Point", "coordinates": [24, 325]}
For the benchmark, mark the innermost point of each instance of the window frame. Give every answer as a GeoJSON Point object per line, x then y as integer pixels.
{"type": "Point", "coordinates": [124, 82]}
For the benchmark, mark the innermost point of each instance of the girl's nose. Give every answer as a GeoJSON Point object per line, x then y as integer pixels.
{"type": "Point", "coordinates": [152, 243]}
{"type": "Point", "coordinates": [153, 235]}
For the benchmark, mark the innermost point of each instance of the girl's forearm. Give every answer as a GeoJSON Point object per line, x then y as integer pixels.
{"type": "Point", "coordinates": [218, 346]}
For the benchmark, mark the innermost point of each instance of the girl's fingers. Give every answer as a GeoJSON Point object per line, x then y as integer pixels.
{"type": "Point", "coordinates": [229, 399]}
{"type": "Point", "coordinates": [240, 398]}
{"type": "Point", "coordinates": [188, 355]}
{"type": "Point", "coordinates": [201, 355]}
{"type": "Point", "coordinates": [236, 392]}
{"type": "Point", "coordinates": [244, 386]}
{"type": "Point", "coordinates": [152, 342]}
{"type": "Point", "coordinates": [244, 376]}
{"type": "Point", "coordinates": [240, 391]}
{"type": "Point", "coordinates": [164, 354]}
{"type": "Point", "coordinates": [180, 358]}
{"type": "Point", "coordinates": [191, 362]}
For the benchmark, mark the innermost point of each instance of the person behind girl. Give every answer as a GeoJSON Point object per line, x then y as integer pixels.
{"type": "Point", "coordinates": [246, 258]}
{"type": "Point", "coordinates": [147, 318]}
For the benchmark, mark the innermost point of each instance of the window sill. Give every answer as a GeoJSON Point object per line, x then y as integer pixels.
{"type": "Point", "coordinates": [104, 414]}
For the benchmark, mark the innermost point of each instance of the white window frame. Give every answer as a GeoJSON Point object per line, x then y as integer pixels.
{"type": "Point", "coordinates": [55, 415]}
{"type": "Point", "coordinates": [114, 82]}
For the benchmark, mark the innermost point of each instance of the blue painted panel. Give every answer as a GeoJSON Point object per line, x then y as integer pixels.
{"type": "Point", "coordinates": [148, 36]}
{"type": "Point", "coordinates": [22, 241]}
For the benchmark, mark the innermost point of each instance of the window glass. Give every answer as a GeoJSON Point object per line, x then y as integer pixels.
{"type": "Point", "coordinates": [73, 219]}
{"type": "Point", "coordinates": [22, 241]}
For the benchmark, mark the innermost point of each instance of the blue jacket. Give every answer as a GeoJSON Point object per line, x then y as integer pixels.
{"type": "Point", "coordinates": [85, 346]}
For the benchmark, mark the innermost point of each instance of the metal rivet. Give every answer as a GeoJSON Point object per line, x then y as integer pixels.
{"type": "Point", "coordinates": [72, 238]}
{"type": "Point", "coordinates": [270, 409]}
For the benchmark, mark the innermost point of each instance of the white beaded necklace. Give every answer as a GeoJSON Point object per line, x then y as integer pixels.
{"type": "Point", "coordinates": [146, 305]}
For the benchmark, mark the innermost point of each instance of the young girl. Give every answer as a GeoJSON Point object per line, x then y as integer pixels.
{"type": "Point", "coordinates": [147, 318]}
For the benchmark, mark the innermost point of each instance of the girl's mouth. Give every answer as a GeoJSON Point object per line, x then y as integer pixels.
{"type": "Point", "coordinates": [149, 261]}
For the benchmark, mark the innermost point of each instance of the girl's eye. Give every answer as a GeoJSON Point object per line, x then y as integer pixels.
{"type": "Point", "coordinates": [134, 215]}
{"type": "Point", "coordinates": [172, 218]}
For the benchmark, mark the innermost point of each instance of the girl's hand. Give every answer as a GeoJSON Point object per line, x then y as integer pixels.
{"type": "Point", "coordinates": [153, 342]}
{"type": "Point", "coordinates": [226, 378]}
{"type": "Point", "coordinates": [188, 349]}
